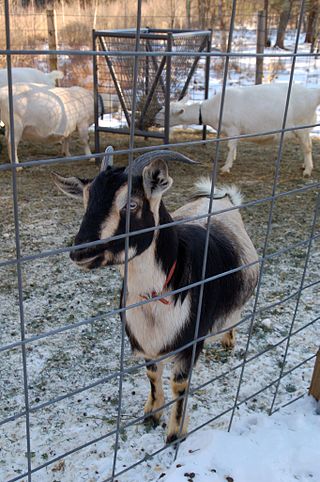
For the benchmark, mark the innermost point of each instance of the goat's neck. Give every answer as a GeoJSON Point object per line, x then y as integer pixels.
{"type": "Point", "coordinates": [203, 106]}
{"type": "Point", "coordinates": [148, 271]}
{"type": "Point", "coordinates": [191, 114]}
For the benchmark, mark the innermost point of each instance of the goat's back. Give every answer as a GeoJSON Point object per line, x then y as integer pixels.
{"type": "Point", "coordinates": [45, 111]}
{"type": "Point", "coordinates": [29, 74]}
{"type": "Point", "coordinates": [261, 107]}
{"type": "Point", "coordinates": [226, 198]}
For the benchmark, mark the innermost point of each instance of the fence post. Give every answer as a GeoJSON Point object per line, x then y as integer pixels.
{"type": "Point", "coordinates": [260, 45]}
{"type": "Point", "coordinates": [314, 389]}
{"type": "Point", "coordinates": [52, 39]}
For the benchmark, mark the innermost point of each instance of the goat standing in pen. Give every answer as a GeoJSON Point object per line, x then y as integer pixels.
{"type": "Point", "coordinates": [165, 260]}
{"type": "Point", "coordinates": [253, 110]}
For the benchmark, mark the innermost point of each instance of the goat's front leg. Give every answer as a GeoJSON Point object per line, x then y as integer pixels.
{"type": "Point", "coordinates": [179, 384]}
{"type": "Point", "coordinates": [65, 147]}
{"type": "Point", "coordinates": [156, 396]}
{"type": "Point", "coordinates": [232, 154]}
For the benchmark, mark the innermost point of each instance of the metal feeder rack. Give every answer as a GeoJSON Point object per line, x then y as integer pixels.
{"type": "Point", "coordinates": [160, 78]}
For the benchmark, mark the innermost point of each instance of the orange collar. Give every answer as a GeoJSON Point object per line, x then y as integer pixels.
{"type": "Point", "coordinates": [153, 293]}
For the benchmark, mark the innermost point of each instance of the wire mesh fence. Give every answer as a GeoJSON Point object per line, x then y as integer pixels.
{"type": "Point", "coordinates": [72, 394]}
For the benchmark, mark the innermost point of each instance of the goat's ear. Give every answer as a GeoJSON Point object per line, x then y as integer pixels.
{"type": "Point", "coordinates": [71, 186]}
{"type": "Point", "coordinates": [156, 179]}
{"type": "Point", "coordinates": [178, 108]}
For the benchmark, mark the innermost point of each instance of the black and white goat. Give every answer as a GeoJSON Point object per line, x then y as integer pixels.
{"type": "Point", "coordinates": [165, 260]}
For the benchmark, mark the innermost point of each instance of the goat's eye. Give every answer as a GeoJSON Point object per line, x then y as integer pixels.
{"type": "Point", "coordinates": [133, 206]}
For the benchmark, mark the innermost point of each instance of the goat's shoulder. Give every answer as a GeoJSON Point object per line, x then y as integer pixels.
{"type": "Point", "coordinates": [223, 247]}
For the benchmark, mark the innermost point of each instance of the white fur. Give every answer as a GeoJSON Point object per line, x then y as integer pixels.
{"type": "Point", "coordinates": [154, 325]}
{"type": "Point", "coordinates": [203, 188]}
{"type": "Point", "coordinates": [253, 110]}
{"type": "Point", "coordinates": [29, 74]}
{"type": "Point", "coordinates": [44, 113]}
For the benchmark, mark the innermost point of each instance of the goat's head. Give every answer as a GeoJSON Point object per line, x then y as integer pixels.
{"type": "Point", "coordinates": [105, 200]}
{"type": "Point", "coordinates": [179, 113]}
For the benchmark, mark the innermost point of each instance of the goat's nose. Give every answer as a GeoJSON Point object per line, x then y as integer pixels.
{"type": "Point", "coordinates": [80, 253]}
{"type": "Point", "coordinates": [76, 255]}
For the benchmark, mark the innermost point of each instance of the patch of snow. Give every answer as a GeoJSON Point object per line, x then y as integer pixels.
{"type": "Point", "coordinates": [281, 448]}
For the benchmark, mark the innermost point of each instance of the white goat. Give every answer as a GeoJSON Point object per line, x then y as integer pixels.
{"type": "Point", "coordinates": [253, 110]}
{"type": "Point", "coordinates": [28, 74]}
{"type": "Point", "coordinates": [48, 114]}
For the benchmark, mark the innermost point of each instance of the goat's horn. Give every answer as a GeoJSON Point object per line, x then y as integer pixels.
{"type": "Point", "coordinates": [107, 158]}
{"type": "Point", "coordinates": [140, 162]}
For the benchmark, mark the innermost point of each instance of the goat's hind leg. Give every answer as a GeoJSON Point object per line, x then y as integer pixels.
{"type": "Point", "coordinates": [306, 144]}
{"type": "Point", "coordinates": [155, 400]}
{"type": "Point", "coordinates": [228, 339]}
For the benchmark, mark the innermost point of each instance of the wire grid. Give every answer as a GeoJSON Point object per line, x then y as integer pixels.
{"type": "Point", "coordinates": [118, 376]}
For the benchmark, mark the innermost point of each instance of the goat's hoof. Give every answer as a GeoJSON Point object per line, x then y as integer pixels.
{"type": "Point", "coordinates": [306, 173]}
{"type": "Point", "coordinates": [224, 171]}
{"type": "Point", "coordinates": [151, 421]}
{"type": "Point", "coordinates": [228, 344]}
{"type": "Point", "coordinates": [173, 439]}
{"type": "Point", "coordinates": [19, 169]}
{"type": "Point", "coordinates": [228, 340]}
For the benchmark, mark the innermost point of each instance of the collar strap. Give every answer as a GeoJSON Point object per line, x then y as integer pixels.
{"type": "Point", "coordinates": [200, 116]}
{"type": "Point", "coordinates": [153, 293]}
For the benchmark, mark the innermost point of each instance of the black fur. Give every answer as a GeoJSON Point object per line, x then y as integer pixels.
{"type": "Point", "coordinates": [220, 296]}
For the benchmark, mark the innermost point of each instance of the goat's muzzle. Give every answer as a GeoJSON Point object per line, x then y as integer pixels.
{"type": "Point", "coordinates": [87, 258]}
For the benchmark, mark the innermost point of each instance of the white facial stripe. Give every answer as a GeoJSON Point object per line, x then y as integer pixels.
{"type": "Point", "coordinates": [110, 225]}
{"type": "Point", "coordinates": [86, 195]}
{"type": "Point", "coordinates": [121, 197]}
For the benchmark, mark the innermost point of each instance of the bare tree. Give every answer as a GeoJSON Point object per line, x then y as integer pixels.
{"type": "Point", "coordinates": [283, 22]}
{"type": "Point", "coordinates": [173, 9]}
{"type": "Point", "coordinates": [202, 13]}
{"type": "Point", "coordinates": [266, 37]}
{"type": "Point", "coordinates": [188, 12]}
{"type": "Point", "coordinates": [223, 28]}
{"type": "Point", "coordinates": [312, 22]}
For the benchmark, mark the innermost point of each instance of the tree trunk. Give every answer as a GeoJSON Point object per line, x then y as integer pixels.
{"type": "Point", "coordinates": [188, 12]}
{"type": "Point", "coordinates": [223, 32]}
{"type": "Point", "coordinates": [202, 15]}
{"type": "Point", "coordinates": [312, 21]}
{"type": "Point", "coordinates": [266, 38]}
{"type": "Point", "coordinates": [283, 23]}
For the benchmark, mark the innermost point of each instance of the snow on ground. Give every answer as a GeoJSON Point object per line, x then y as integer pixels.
{"type": "Point", "coordinates": [281, 448]}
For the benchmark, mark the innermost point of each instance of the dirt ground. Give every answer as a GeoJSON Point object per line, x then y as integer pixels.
{"type": "Point", "coordinates": [56, 294]}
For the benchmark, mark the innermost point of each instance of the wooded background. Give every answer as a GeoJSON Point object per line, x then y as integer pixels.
{"type": "Point", "coordinates": [75, 19]}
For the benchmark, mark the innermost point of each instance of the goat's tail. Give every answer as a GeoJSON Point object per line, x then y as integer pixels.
{"type": "Point", "coordinates": [203, 189]}
{"type": "Point", "coordinates": [54, 75]}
